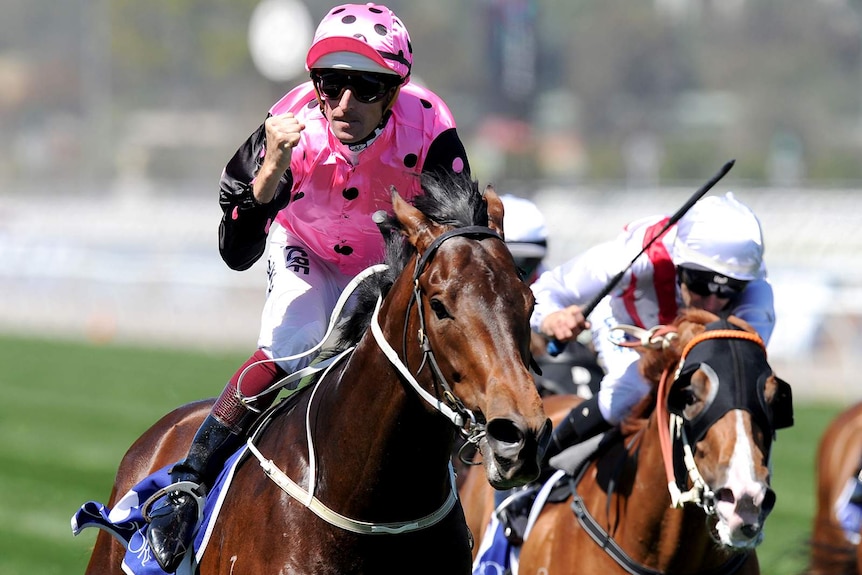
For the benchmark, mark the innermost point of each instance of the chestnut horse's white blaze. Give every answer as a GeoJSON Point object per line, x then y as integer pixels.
{"type": "Point", "coordinates": [740, 515]}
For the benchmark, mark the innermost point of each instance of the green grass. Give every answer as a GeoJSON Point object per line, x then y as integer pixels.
{"type": "Point", "coordinates": [68, 413]}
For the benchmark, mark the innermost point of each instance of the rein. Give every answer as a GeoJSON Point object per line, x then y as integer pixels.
{"type": "Point", "coordinates": [603, 539]}
{"type": "Point", "coordinates": [248, 400]}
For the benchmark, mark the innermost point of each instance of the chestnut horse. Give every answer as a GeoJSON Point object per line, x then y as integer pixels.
{"type": "Point", "coordinates": [441, 345]}
{"type": "Point", "coordinates": [838, 458]}
{"type": "Point", "coordinates": [683, 485]}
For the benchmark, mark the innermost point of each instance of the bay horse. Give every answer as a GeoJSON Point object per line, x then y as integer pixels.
{"type": "Point", "coordinates": [682, 486]}
{"type": "Point", "coordinates": [441, 345]}
{"type": "Point", "coordinates": [838, 456]}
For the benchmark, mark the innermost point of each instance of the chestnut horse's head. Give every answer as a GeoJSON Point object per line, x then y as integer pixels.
{"type": "Point", "coordinates": [467, 332]}
{"type": "Point", "coordinates": [726, 403]}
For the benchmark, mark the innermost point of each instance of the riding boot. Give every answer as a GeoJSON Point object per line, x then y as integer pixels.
{"type": "Point", "coordinates": [583, 422]}
{"type": "Point", "coordinates": [173, 524]}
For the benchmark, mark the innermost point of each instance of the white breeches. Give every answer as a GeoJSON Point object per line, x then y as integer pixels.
{"type": "Point", "coordinates": [623, 386]}
{"type": "Point", "coordinates": [301, 294]}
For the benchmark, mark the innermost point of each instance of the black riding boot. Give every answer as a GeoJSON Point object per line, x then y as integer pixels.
{"type": "Point", "coordinates": [583, 422]}
{"type": "Point", "coordinates": [172, 525]}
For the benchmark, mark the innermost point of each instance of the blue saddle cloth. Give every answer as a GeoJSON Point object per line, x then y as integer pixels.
{"type": "Point", "coordinates": [495, 552]}
{"type": "Point", "coordinates": [848, 510]}
{"type": "Point", "coordinates": [125, 522]}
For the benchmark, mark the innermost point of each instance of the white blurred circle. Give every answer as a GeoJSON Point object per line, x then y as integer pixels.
{"type": "Point", "coordinates": [279, 34]}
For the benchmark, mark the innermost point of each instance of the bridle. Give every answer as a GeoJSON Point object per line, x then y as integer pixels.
{"type": "Point", "coordinates": [444, 399]}
{"type": "Point", "coordinates": [700, 493]}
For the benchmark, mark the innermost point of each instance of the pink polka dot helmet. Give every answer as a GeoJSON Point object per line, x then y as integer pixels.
{"type": "Point", "coordinates": [371, 31]}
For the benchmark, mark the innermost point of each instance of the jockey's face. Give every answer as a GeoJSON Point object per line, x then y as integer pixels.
{"type": "Point", "coordinates": [711, 303]}
{"type": "Point", "coordinates": [707, 290]}
{"type": "Point", "coordinates": [345, 102]}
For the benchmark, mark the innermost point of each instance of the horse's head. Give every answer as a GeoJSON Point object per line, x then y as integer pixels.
{"type": "Point", "coordinates": [727, 404]}
{"type": "Point", "coordinates": [469, 318]}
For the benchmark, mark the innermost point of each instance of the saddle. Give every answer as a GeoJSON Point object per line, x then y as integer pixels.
{"type": "Point", "coordinates": [514, 512]}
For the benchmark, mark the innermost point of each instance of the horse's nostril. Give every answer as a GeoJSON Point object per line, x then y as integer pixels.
{"type": "Point", "coordinates": [725, 494]}
{"type": "Point", "coordinates": [768, 501]}
{"type": "Point", "coordinates": [504, 431]}
{"type": "Point", "coordinates": [750, 530]}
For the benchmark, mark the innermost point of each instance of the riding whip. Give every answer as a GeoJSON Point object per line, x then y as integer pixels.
{"type": "Point", "coordinates": [556, 347]}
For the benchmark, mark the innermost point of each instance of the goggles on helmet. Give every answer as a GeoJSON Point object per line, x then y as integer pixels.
{"type": "Point", "coordinates": [366, 87]}
{"type": "Point", "coordinates": [706, 283]}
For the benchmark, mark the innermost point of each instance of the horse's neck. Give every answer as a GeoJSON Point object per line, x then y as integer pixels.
{"type": "Point", "coordinates": [385, 438]}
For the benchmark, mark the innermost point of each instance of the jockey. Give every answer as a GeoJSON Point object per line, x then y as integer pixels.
{"type": "Point", "coordinates": [526, 235]}
{"type": "Point", "coordinates": [310, 178]}
{"type": "Point", "coordinates": [574, 370]}
{"type": "Point", "coordinates": [712, 259]}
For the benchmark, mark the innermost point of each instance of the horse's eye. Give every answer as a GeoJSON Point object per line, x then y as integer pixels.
{"type": "Point", "coordinates": [439, 309]}
{"type": "Point", "coordinates": [688, 397]}
{"type": "Point", "coordinates": [681, 398]}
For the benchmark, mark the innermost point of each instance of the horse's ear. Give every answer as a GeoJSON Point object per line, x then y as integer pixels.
{"type": "Point", "coordinates": [782, 405]}
{"type": "Point", "coordinates": [495, 209]}
{"type": "Point", "coordinates": [420, 231]}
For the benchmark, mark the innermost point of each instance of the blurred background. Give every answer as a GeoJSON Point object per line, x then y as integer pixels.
{"type": "Point", "coordinates": [117, 117]}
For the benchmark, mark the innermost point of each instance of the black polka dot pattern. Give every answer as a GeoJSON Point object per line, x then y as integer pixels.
{"type": "Point", "coordinates": [350, 19]}
{"type": "Point", "coordinates": [343, 250]}
{"type": "Point", "coordinates": [410, 160]}
{"type": "Point", "coordinates": [350, 193]}
{"type": "Point", "coordinates": [380, 29]}
{"type": "Point", "coordinates": [425, 104]}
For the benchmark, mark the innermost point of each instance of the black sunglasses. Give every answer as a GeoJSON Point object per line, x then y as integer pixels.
{"type": "Point", "coordinates": [365, 87]}
{"type": "Point", "coordinates": [706, 283]}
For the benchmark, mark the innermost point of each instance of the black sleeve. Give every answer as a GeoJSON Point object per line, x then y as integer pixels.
{"type": "Point", "coordinates": [445, 150]}
{"type": "Point", "coordinates": [244, 222]}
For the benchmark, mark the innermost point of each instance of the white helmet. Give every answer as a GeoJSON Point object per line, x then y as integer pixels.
{"type": "Point", "coordinates": [723, 235]}
{"type": "Point", "coordinates": [524, 227]}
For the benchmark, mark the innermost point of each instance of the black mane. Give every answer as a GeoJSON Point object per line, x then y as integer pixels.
{"type": "Point", "coordinates": [450, 200]}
